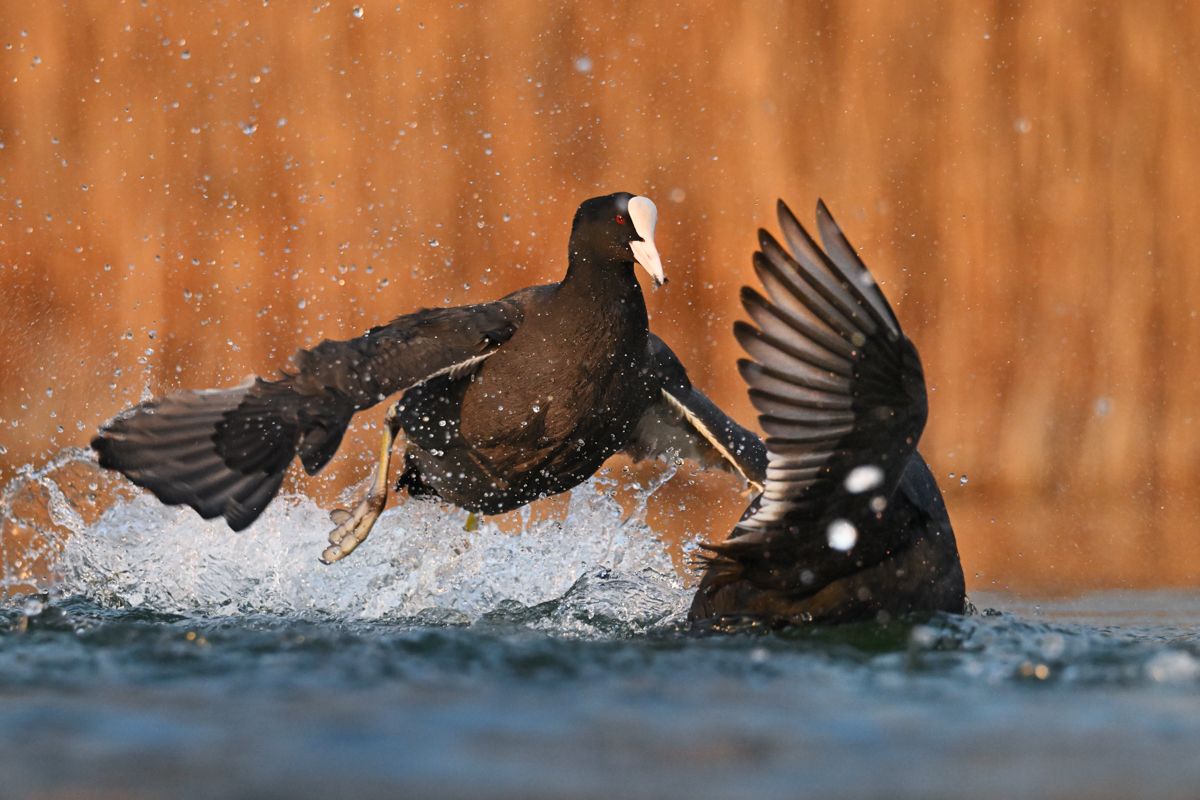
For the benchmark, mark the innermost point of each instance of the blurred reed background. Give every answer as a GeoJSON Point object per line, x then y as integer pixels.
{"type": "Point", "coordinates": [189, 192]}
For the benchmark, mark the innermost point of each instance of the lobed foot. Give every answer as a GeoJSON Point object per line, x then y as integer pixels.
{"type": "Point", "coordinates": [353, 527]}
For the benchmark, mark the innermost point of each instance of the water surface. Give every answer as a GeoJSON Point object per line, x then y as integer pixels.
{"type": "Point", "coordinates": [172, 658]}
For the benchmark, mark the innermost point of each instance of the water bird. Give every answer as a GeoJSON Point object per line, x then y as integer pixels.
{"type": "Point", "coordinates": [850, 524]}
{"type": "Point", "coordinates": [501, 403]}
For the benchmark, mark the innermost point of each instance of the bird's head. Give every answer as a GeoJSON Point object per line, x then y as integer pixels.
{"type": "Point", "coordinates": [619, 227]}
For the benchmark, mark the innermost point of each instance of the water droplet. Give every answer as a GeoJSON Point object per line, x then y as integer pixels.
{"type": "Point", "coordinates": [923, 636]}
{"type": "Point", "coordinates": [358, 12]}
{"type": "Point", "coordinates": [185, 55]}
{"type": "Point", "coordinates": [434, 243]}
{"type": "Point", "coordinates": [863, 479]}
{"type": "Point", "coordinates": [1022, 125]}
{"type": "Point", "coordinates": [583, 64]}
{"type": "Point", "coordinates": [302, 303]}
{"type": "Point", "coordinates": [962, 479]}
{"type": "Point", "coordinates": [841, 535]}
{"type": "Point", "coordinates": [677, 195]}
{"type": "Point", "coordinates": [249, 128]}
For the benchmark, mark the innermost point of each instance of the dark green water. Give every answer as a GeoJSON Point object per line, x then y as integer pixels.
{"type": "Point", "coordinates": [174, 659]}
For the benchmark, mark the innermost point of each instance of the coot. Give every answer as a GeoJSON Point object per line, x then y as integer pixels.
{"type": "Point", "coordinates": [502, 402]}
{"type": "Point", "coordinates": [850, 524]}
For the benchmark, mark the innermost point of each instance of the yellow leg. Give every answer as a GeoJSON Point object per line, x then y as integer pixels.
{"type": "Point", "coordinates": [354, 526]}
{"type": "Point", "coordinates": [472, 522]}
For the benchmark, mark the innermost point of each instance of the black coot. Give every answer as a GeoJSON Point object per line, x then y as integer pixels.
{"type": "Point", "coordinates": [503, 402]}
{"type": "Point", "coordinates": [850, 524]}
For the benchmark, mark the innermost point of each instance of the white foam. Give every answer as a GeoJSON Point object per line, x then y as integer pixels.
{"type": "Point", "coordinates": [419, 558]}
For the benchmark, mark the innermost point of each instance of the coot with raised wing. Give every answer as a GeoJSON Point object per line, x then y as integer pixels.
{"type": "Point", "coordinates": [850, 524]}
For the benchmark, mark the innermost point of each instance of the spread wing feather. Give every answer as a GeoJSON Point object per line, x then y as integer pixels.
{"type": "Point", "coordinates": [225, 452]}
{"type": "Point", "coordinates": [838, 387]}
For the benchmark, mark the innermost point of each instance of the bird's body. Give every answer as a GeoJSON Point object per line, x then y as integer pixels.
{"type": "Point", "coordinates": [908, 563]}
{"type": "Point", "coordinates": [525, 424]}
{"type": "Point", "coordinates": [501, 402]}
{"type": "Point", "coordinates": [851, 524]}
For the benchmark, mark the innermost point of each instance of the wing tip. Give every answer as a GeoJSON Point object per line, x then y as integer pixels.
{"type": "Point", "coordinates": [783, 212]}
{"type": "Point", "coordinates": [823, 210]}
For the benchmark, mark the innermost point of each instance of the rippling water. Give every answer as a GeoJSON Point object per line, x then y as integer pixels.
{"type": "Point", "coordinates": [172, 658]}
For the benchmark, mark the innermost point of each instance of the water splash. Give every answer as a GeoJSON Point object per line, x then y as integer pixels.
{"type": "Point", "coordinates": [592, 568]}
{"type": "Point", "coordinates": [40, 508]}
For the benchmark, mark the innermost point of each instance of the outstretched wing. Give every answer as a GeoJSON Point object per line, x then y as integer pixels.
{"type": "Point", "coordinates": [685, 421]}
{"type": "Point", "coordinates": [224, 452]}
{"type": "Point", "coordinates": [840, 391]}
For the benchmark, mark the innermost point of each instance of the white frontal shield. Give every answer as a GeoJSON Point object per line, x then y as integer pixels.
{"type": "Point", "coordinates": [644, 216]}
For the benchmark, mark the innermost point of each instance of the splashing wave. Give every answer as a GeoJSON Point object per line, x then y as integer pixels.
{"type": "Point", "coordinates": [589, 568]}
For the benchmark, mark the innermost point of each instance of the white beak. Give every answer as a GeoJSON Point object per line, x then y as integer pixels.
{"type": "Point", "coordinates": [644, 216]}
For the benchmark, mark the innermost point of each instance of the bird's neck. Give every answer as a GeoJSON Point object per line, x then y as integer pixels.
{"type": "Point", "coordinates": [605, 306]}
{"type": "Point", "coordinates": [600, 279]}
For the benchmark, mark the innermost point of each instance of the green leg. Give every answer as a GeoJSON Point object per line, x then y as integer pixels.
{"type": "Point", "coordinates": [353, 527]}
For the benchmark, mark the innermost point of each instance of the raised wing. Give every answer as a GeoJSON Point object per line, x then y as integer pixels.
{"type": "Point", "coordinates": [685, 421]}
{"type": "Point", "coordinates": [841, 395]}
{"type": "Point", "coordinates": [224, 452]}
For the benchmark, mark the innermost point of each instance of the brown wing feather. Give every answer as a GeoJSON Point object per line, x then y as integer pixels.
{"type": "Point", "coordinates": [224, 453]}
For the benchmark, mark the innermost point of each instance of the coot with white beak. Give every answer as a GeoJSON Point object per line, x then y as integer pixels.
{"type": "Point", "coordinates": [502, 402]}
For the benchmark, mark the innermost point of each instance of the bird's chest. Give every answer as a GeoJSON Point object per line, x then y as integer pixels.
{"type": "Point", "coordinates": [558, 386]}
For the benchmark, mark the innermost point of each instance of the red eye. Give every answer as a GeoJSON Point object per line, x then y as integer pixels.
{"type": "Point", "coordinates": [620, 219]}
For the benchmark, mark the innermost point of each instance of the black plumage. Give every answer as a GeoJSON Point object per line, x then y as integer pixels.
{"type": "Point", "coordinates": [503, 402]}
{"type": "Point", "coordinates": [850, 523]}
